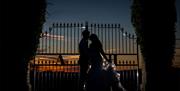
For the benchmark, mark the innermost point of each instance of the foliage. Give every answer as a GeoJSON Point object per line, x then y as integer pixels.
{"type": "Point", "coordinates": [137, 11]}
{"type": "Point", "coordinates": [39, 19]}
{"type": "Point", "coordinates": [155, 24]}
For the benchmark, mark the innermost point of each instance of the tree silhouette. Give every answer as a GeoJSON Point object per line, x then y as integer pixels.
{"type": "Point", "coordinates": [26, 19]}
{"type": "Point", "coordinates": [154, 23]}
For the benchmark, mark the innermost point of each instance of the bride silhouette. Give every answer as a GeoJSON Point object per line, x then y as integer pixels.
{"type": "Point", "coordinates": [99, 79]}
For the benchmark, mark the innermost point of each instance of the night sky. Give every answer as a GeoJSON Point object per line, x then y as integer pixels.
{"type": "Point", "coordinates": [94, 11]}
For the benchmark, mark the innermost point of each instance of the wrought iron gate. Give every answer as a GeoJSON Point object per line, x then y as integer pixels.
{"type": "Point", "coordinates": [56, 63]}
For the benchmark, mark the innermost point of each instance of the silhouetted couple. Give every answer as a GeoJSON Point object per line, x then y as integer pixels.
{"type": "Point", "coordinates": [91, 60]}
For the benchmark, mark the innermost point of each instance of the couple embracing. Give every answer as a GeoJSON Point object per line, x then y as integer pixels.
{"type": "Point", "coordinates": [94, 77]}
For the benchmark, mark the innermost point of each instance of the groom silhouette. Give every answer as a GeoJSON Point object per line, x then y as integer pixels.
{"type": "Point", "coordinates": [83, 59]}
